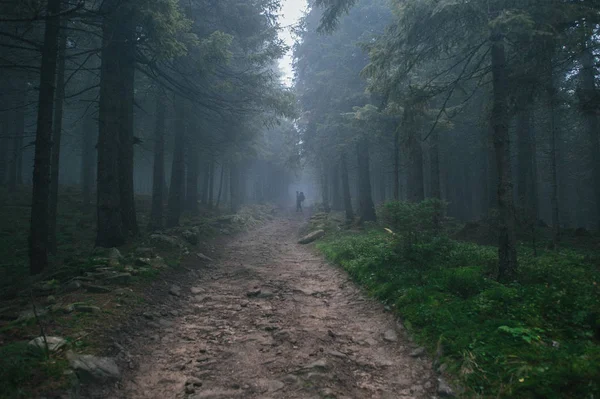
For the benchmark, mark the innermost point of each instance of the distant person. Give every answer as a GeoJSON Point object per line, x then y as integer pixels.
{"type": "Point", "coordinates": [299, 200]}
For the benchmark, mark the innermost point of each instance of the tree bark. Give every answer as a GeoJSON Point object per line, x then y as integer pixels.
{"type": "Point", "coordinates": [366, 208]}
{"type": "Point", "coordinates": [192, 170]}
{"type": "Point", "coordinates": [38, 239]}
{"type": "Point", "coordinates": [114, 98]}
{"type": "Point", "coordinates": [590, 106]}
{"type": "Point", "coordinates": [553, 161]}
{"type": "Point", "coordinates": [158, 169]}
{"type": "Point", "coordinates": [524, 156]}
{"type": "Point", "coordinates": [176, 189]}
{"type": "Point", "coordinates": [416, 188]}
{"type": "Point", "coordinates": [56, 142]}
{"type": "Point", "coordinates": [88, 159]}
{"type": "Point", "coordinates": [507, 248]}
{"type": "Point", "coordinates": [211, 183]}
{"type": "Point", "coordinates": [336, 198]}
{"type": "Point", "coordinates": [234, 195]}
{"type": "Point", "coordinates": [325, 186]}
{"type": "Point", "coordinates": [436, 191]}
{"type": "Point", "coordinates": [397, 164]}
{"type": "Point", "coordinates": [346, 188]}
{"type": "Point", "coordinates": [15, 176]}
{"type": "Point", "coordinates": [126, 149]}
{"type": "Point", "coordinates": [220, 185]}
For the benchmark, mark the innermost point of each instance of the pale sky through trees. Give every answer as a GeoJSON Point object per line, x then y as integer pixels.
{"type": "Point", "coordinates": [291, 11]}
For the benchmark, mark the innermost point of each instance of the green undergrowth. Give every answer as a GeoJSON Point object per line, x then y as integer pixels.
{"type": "Point", "coordinates": [537, 337]}
{"type": "Point", "coordinates": [25, 365]}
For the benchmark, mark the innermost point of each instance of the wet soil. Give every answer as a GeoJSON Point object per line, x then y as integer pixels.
{"type": "Point", "coordinates": [269, 318]}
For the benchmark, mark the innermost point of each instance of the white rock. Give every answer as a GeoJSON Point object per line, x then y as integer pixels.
{"type": "Point", "coordinates": [54, 343]}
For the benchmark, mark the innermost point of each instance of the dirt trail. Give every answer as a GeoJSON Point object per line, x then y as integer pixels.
{"type": "Point", "coordinates": [308, 333]}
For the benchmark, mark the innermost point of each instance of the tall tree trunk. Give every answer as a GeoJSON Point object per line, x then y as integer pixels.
{"type": "Point", "coordinates": [346, 188]}
{"type": "Point", "coordinates": [436, 191]}
{"type": "Point", "coordinates": [416, 188]}
{"type": "Point", "coordinates": [56, 141]}
{"type": "Point", "coordinates": [88, 159]}
{"type": "Point", "coordinates": [205, 181]}
{"type": "Point", "coordinates": [234, 189]}
{"type": "Point", "coordinates": [38, 239]}
{"type": "Point", "coordinates": [553, 161]}
{"type": "Point", "coordinates": [366, 208]}
{"type": "Point", "coordinates": [192, 171]}
{"type": "Point", "coordinates": [397, 164]}
{"type": "Point", "coordinates": [158, 169]}
{"type": "Point", "coordinates": [336, 198]}
{"type": "Point", "coordinates": [211, 182]}
{"type": "Point", "coordinates": [176, 188]}
{"type": "Point", "coordinates": [114, 99]}
{"type": "Point", "coordinates": [15, 177]}
{"type": "Point", "coordinates": [507, 248]}
{"type": "Point", "coordinates": [492, 192]}
{"type": "Point", "coordinates": [325, 186]}
{"type": "Point", "coordinates": [126, 152]}
{"type": "Point", "coordinates": [524, 155]}
{"type": "Point", "coordinates": [590, 107]}
{"type": "Point", "coordinates": [220, 185]}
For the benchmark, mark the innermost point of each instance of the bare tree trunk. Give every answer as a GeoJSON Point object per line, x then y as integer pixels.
{"type": "Point", "coordinates": [507, 248]}
{"type": "Point", "coordinates": [366, 208]}
{"type": "Point", "coordinates": [325, 186]}
{"type": "Point", "coordinates": [524, 155]}
{"type": "Point", "coordinates": [335, 188]}
{"type": "Point", "coordinates": [211, 182]}
{"type": "Point", "coordinates": [192, 171]}
{"type": "Point", "coordinates": [88, 159]}
{"type": "Point", "coordinates": [553, 164]}
{"type": "Point", "coordinates": [397, 164]}
{"type": "Point", "coordinates": [346, 188]}
{"type": "Point", "coordinates": [15, 178]}
{"type": "Point", "coordinates": [38, 239]}
{"type": "Point", "coordinates": [176, 189]}
{"type": "Point", "coordinates": [56, 142]}
{"type": "Point", "coordinates": [205, 180]}
{"type": "Point", "coordinates": [158, 170]}
{"type": "Point", "coordinates": [220, 185]}
{"type": "Point", "coordinates": [416, 189]}
{"type": "Point", "coordinates": [234, 195]}
{"type": "Point", "coordinates": [588, 83]}
{"type": "Point", "coordinates": [126, 149]}
{"type": "Point", "coordinates": [114, 99]}
{"type": "Point", "coordinates": [436, 191]}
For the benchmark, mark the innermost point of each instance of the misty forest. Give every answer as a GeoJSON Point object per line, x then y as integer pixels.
{"type": "Point", "coordinates": [211, 199]}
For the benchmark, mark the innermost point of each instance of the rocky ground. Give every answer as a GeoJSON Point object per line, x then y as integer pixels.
{"type": "Point", "coordinates": [269, 318]}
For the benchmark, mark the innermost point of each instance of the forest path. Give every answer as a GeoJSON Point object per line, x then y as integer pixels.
{"type": "Point", "coordinates": [308, 333]}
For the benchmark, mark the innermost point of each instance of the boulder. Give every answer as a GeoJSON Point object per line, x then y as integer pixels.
{"type": "Point", "coordinates": [72, 286]}
{"type": "Point", "coordinates": [175, 290]}
{"type": "Point", "coordinates": [119, 278]}
{"type": "Point", "coordinates": [54, 343]}
{"type": "Point", "coordinates": [203, 257]}
{"type": "Point", "coordinates": [315, 235]}
{"type": "Point", "coordinates": [166, 240]}
{"type": "Point", "coordinates": [390, 336]}
{"type": "Point", "coordinates": [97, 289]}
{"type": "Point", "coordinates": [92, 368]}
{"type": "Point", "coordinates": [190, 236]}
{"type": "Point", "coordinates": [86, 308]}
{"type": "Point", "coordinates": [114, 253]}
{"type": "Point", "coordinates": [444, 389]}
{"type": "Point", "coordinates": [144, 252]}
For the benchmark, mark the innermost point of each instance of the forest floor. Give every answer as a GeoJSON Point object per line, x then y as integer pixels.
{"type": "Point", "coordinates": [268, 319]}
